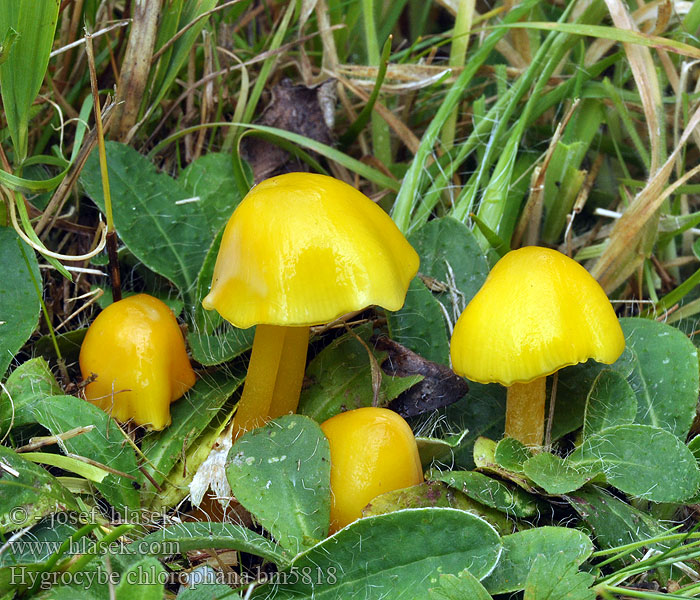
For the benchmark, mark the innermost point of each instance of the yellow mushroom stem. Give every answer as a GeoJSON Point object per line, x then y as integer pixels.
{"type": "Point", "coordinates": [275, 374]}
{"type": "Point", "coordinates": [525, 411]}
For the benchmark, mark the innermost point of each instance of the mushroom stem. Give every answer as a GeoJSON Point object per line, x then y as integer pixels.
{"type": "Point", "coordinates": [525, 411]}
{"type": "Point", "coordinates": [274, 378]}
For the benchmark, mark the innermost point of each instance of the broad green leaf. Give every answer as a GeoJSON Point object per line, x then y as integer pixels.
{"type": "Point", "coordinates": [440, 450]}
{"type": "Point", "coordinates": [665, 375]}
{"type": "Point", "coordinates": [641, 460]}
{"type": "Point", "coordinates": [459, 587]}
{"type": "Point", "coordinates": [397, 556]}
{"type": "Point", "coordinates": [574, 385]}
{"type": "Point", "coordinates": [142, 581]}
{"type": "Point", "coordinates": [23, 69]}
{"type": "Point", "coordinates": [434, 494]}
{"type": "Point", "coordinates": [104, 444]}
{"type": "Point", "coordinates": [208, 591]}
{"type": "Point", "coordinates": [210, 179]}
{"type": "Point", "coordinates": [521, 549]}
{"type": "Point", "coordinates": [420, 324]}
{"type": "Point", "coordinates": [29, 383]}
{"type": "Point", "coordinates": [556, 475]}
{"type": "Point", "coordinates": [281, 474]}
{"type": "Point", "coordinates": [511, 454]}
{"type": "Point", "coordinates": [491, 492]}
{"type": "Point", "coordinates": [19, 302]}
{"type": "Point", "coordinates": [190, 416]}
{"type": "Point", "coordinates": [32, 494]}
{"type": "Point", "coordinates": [169, 236]}
{"type": "Point", "coordinates": [186, 537]}
{"type": "Point", "coordinates": [450, 254]}
{"type": "Point", "coordinates": [340, 378]}
{"type": "Point", "coordinates": [611, 402]}
{"type": "Point", "coordinates": [554, 577]}
{"type": "Point", "coordinates": [614, 522]}
{"type": "Point", "coordinates": [50, 533]}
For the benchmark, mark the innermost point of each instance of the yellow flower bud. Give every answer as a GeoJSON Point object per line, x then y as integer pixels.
{"type": "Point", "coordinates": [373, 451]}
{"type": "Point", "coordinates": [137, 352]}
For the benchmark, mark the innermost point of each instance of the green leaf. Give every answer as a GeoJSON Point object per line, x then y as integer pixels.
{"type": "Point", "coordinates": [210, 179]}
{"type": "Point", "coordinates": [168, 236]}
{"type": "Point", "coordinates": [186, 537]}
{"type": "Point", "coordinates": [67, 463]}
{"type": "Point", "coordinates": [664, 376]}
{"type": "Point", "coordinates": [614, 522]}
{"type": "Point", "coordinates": [511, 454]}
{"type": "Point", "coordinates": [341, 378]}
{"type": "Point", "coordinates": [190, 416]}
{"type": "Point", "coordinates": [281, 474]}
{"type": "Point", "coordinates": [208, 591]}
{"type": "Point", "coordinates": [29, 383]}
{"type": "Point", "coordinates": [553, 577]}
{"type": "Point", "coordinates": [104, 444]}
{"type": "Point", "coordinates": [434, 494]}
{"type": "Point", "coordinates": [23, 69]}
{"type": "Point", "coordinates": [19, 303]}
{"type": "Point", "coordinates": [420, 324]}
{"type": "Point", "coordinates": [142, 581]}
{"type": "Point", "coordinates": [29, 496]}
{"type": "Point", "coordinates": [450, 254]}
{"type": "Point", "coordinates": [395, 556]}
{"type": "Point", "coordinates": [558, 476]}
{"type": "Point", "coordinates": [611, 402]}
{"type": "Point", "coordinates": [440, 450]}
{"type": "Point", "coordinates": [521, 549]}
{"type": "Point", "coordinates": [459, 587]}
{"type": "Point", "coordinates": [641, 460]}
{"type": "Point", "coordinates": [491, 492]}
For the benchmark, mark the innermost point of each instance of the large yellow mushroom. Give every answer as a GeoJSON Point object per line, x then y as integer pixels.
{"type": "Point", "coordinates": [300, 250]}
{"type": "Point", "coordinates": [537, 312]}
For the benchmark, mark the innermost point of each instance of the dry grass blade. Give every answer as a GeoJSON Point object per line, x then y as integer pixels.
{"type": "Point", "coordinates": [622, 256]}
{"type": "Point", "coordinates": [136, 65]}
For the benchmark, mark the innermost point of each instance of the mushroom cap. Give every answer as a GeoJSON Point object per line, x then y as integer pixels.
{"type": "Point", "coordinates": [136, 349]}
{"type": "Point", "coordinates": [537, 312]}
{"type": "Point", "coordinates": [303, 249]}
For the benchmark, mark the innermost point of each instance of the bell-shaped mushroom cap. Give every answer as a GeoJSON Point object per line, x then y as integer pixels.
{"type": "Point", "coordinates": [304, 249]}
{"type": "Point", "coordinates": [537, 312]}
{"type": "Point", "coordinates": [136, 349]}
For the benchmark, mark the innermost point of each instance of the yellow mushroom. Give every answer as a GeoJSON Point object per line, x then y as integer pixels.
{"type": "Point", "coordinates": [373, 451]}
{"type": "Point", "coordinates": [136, 350]}
{"type": "Point", "coordinates": [300, 250]}
{"type": "Point", "coordinates": [537, 312]}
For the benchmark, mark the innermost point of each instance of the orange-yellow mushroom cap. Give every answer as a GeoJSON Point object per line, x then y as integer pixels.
{"type": "Point", "coordinates": [303, 249]}
{"type": "Point", "coordinates": [373, 451]}
{"type": "Point", "coordinates": [136, 350]}
{"type": "Point", "coordinates": [537, 312]}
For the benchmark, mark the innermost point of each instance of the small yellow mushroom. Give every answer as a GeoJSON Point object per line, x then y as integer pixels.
{"type": "Point", "coordinates": [136, 350]}
{"type": "Point", "coordinates": [300, 250]}
{"type": "Point", "coordinates": [373, 451]}
{"type": "Point", "coordinates": [537, 312]}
